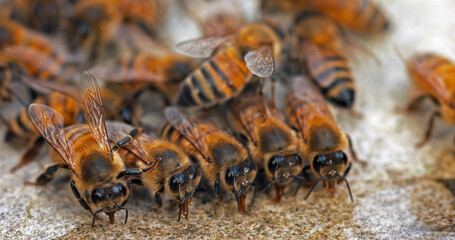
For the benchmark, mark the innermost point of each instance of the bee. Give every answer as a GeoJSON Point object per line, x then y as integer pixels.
{"type": "Point", "coordinates": [92, 26]}
{"type": "Point", "coordinates": [271, 142]}
{"type": "Point", "coordinates": [174, 172]}
{"type": "Point", "coordinates": [358, 15]}
{"type": "Point", "coordinates": [321, 44]}
{"type": "Point", "coordinates": [135, 73]}
{"type": "Point", "coordinates": [42, 15]}
{"type": "Point", "coordinates": [21, 130]}
{"type": "Point", "coordinates": [223, 160]}
{"type": "Point", "coordinates": [146, 14]}
{"type": "Point", "coordinates": [432, 77]}
{"type": "Point", "coordinates": [216, 18]}
{"type": "Point", "coordinates": [252, 51]}
{"type": "Point", "coordinates": [13, 33]}
{"type": "Point", "coordinates": [98, 172]}
{"type": "Point", "coordinates": [328, 149]}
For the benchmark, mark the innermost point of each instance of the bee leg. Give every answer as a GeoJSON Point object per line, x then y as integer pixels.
{"type": "Point", "coordinates": [353, 152]}
{"type": "Point", "coordinates": [217, 188]}
{"type": "Point", "coordinates": [416, 99]}
{"type": "Point", "coordinates": [347, 170]}
{"type": "Point", "coordinates": [83, 203]}
{"type": "Point", "coordinates": [48, 174]}
{"type": "Point", "coordinates": [158, 198]}
{"type": "Point", "coordinates": [30, 155]}
{"type": "Point", "coordinates": [305, 175]}
{"type": "Point", "coordinates": [128, 138]}
{"type": "Point", "coordinates": [429, 130]}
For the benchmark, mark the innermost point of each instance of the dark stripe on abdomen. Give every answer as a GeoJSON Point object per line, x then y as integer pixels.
{"type": "Point", "coordinates": [208, 77]}
{"type": "Point", "coordinates": [222, 75]}
{"type": "Point", "coordinates": [337, 82]}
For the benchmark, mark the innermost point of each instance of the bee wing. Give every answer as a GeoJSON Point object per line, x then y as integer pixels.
{"type": "Point", "coordinates": [94, 111]}
{"type": "Point", "coordinates": [117, 73]}
{"type": "Point", "coordinates": [46, 87]}
{"type": "Point", "coordinates": [184, 127]}
{"type": "Point", "coordinates": [49, 123]}
{"type": "Point", "coordinates": [118, 130]}
{"type": "Point", "coordinates": [260, 62]}
{"type": "Point", "coordinates": [200, 47]}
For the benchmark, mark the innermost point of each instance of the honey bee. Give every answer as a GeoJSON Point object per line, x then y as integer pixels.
{"type": "Point", "coordinates": [359, 15]}
{"type": "Point", "coordinates": [253, 50]}
{"type": "Point", "coordinates": [137, 72]}
{"type": "Point", "coordinates": [173, 172]}
{"type": "Point", "coordinates": [35, 54]}
{"type": "Point", "coordinates": [321, 44]}
{"type": "Point", "coordinates": [21, 129]}
{"type": "Point", "coordinates": [272, 144]}
{"type": "Point", "coordinates": [146, 14]}
{"type": "Point", "coordinates": [98, 172]}
{"type": "Point", "coordinates": [216, 18]}
{"type": "Point", "coordinates": [328, 149]}
{"type": "Point", "coordinates": [42, 15]}
{"type": "Point", "coordinates": [92, 26]}
{"type": "Point", "coordinates": [432, 76]}
{"type": "Point", "coordinates": [223, 160]}
{"type": "Point", "coordinates": [95, 23]}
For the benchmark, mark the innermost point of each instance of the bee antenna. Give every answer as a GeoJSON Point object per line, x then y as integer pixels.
{"type": "Point", "coordinates": [94, 215]}
{"type": "Point", "coordinates": [265, 188]}
{"type": "Point", "coordinates": [314, 185]}
{"type": "Point", "coordinates": [123, 208]}
{"type": "Point", "coordinates": [347, 184]}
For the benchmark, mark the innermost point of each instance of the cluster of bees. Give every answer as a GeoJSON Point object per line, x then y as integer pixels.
{"type": "Point", "coordinates": [222, 133]}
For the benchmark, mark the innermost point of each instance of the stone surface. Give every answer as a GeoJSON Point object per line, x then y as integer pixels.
{"type": "Point", "coordinates": [402, 193]}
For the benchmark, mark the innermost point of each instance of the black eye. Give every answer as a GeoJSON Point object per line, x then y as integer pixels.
{"type": "Point", "coordinates": [231, 174]}
{"type": "Point", "coordinates": [274, 162]}
{"type": "Point", "coordinates": [97, 195]}
{"type": "Point", "coordinates": [174, 182]}
{"type": "Point", "coordinates": [83, 29]}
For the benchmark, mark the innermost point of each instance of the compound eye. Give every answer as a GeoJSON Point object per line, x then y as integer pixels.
{"type": "Point", "coordinates": [230, 176]}
{"type": "Point", "coordinates": [83, 29]}
{"type": "Point", "coordinates": [98, 195]}
{"type": "Point", "coordinates": [318, 162]}
{"type": "Point", "coordinates": [274, 163]}
{"type": "Point", "coordinates": [174, 183]}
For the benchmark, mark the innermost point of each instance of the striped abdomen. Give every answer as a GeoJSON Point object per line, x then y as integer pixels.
{"type": "Point", "coordinates": [37, 63]}
{"type": "Point", "coordinates": [5, 83]}
{"type": "Point", "coordinates": [216, 80]}
{"type": "Point", "coordinates": [22, 129]}
{"type": "Point", "coordinates": [360, 15]}
{"type": "Point", "coordinates": [305, 103]}
{"type": "Point", "coordinates": [331, 72]}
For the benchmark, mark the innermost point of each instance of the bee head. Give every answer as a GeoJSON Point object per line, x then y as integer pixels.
{"type": "Point", "coordinates": [284, 166]}
{"type": "Point", "coordinates": [330, 164]}
{"type": "Point", "coordinates": [185, 183]}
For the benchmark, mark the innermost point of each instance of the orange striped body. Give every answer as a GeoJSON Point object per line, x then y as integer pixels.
{"type": "Point", "coordinates": [14, 34]}
{"type": "Point", "coordinates": [308, 112]}
{"type": "Point", "coordinates": [21, 128]}
{"type": "Point", "coordinates": [94, 168]}
{"type": "Point", "coordinates": [223, 150]}
{"type": "Point", "coordinates": [216, 80]}
{"type": "Point", "coordinates": [359, 15]}
{"type": "Point", "coordinates": [147, 14]}
{"type": "Point", "coordinates": [268, 134]}
{"type": "Point", "coordinates": [331, 72]}
{"type": "Point", "coordinates": [6, 79]}
{"type": "Point", "coordinates": [435, 75]}
{"type": "Point", "coordinates": [306, 107]}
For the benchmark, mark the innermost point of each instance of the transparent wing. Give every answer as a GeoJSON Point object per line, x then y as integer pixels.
{"type": "Point", "coordinates": [260, 62]}
{"type": "Point", "coordinates": [184, 127]}
{"type": "Point", "coordinates": [94, 111]}
{"type": "Point", "coordinates": [49, 123]}
{"type": "Point", "coordinates": [200, 47]}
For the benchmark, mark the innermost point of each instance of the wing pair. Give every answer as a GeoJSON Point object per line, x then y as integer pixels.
{"type": "Point", "coordinates": [49, 123]}
{"type": "Point", "coordinates": [259, 61]}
